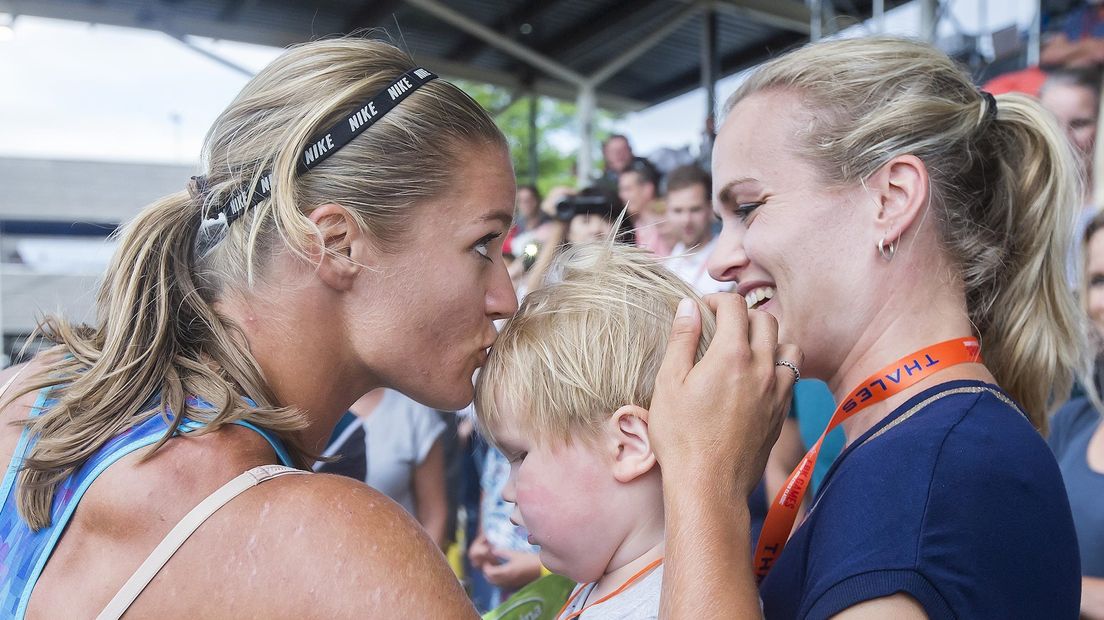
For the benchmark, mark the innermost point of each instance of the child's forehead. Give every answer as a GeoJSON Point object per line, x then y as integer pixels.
{"type": "Point", "coordinates": [519, 425]}
{"type": "Point", "coordinates": [529, 438]}
{"type": "Point", "coordinates": [509, 434]}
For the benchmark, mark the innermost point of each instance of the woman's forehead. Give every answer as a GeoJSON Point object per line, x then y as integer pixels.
{"type": "Point", "coordinates": [757, 138]}
{"type": "Point", "coordinates": [483, 191]}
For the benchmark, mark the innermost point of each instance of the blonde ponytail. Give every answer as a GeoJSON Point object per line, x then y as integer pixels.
{"type": "Point", "coordinates": [1032, 331]}
{"type": "Point", "coordinates": [158, 342]}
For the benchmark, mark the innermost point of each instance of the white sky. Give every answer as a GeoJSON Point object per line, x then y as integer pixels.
{"type": "Point", "coordinates": [78, 91]}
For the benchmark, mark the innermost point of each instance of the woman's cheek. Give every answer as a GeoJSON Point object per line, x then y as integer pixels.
{"type": "Point", "coordinates": [1096, 308]}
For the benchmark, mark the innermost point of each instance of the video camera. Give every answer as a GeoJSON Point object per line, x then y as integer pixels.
{"type": "Point", "coordinates": [571, 206]}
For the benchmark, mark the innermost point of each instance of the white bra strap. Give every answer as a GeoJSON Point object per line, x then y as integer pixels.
{"type": "Point", "coordinates": [11, 380]}
{"type": "Point", "coordinates": [185, 528]}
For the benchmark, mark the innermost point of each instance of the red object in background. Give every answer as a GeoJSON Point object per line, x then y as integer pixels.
{"type": "Point", "coordinates": [1028, 81]}
{"type": "Point", "coordinates": [508, 242]}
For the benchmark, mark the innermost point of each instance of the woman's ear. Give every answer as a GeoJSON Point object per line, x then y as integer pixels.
{"type": "Point", "coordinates": [901, 191]}
{"type": "Point", "coordinates": [630, 444]}
{"type": "Point", "coordinates": [338, 249]}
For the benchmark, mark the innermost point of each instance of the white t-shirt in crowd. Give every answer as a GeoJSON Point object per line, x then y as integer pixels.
{"type": "Point", "coordinates": [690, 265]}
{"type": "Point", "coordinates": [398, 436]}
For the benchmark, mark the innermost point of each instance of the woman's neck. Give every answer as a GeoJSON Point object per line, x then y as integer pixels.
{"type": "Point", "coordinates": [919, 316]}
{"type": "Point", "coordinates": [299, 364]}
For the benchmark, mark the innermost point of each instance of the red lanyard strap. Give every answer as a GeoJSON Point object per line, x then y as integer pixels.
{"type": "Point", "coordinates": [898, 376]}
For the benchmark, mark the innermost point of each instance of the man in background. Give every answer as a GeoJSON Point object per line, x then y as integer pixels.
{"type": "Point", "coordinates": [690, 219]}
{"type": "Point", "coordinates": [638, 189]}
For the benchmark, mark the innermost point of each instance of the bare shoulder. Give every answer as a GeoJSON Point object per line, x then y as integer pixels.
{"type": "Point", "coordinates": [309, 546]}
{"type": "Point", "coordinates": [899, 606]}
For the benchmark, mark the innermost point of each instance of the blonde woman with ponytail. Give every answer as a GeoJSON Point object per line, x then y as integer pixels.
{"type": "Point", "coordinates": [909, 234]}
{"type": "Point", "coordinates": [345, 235]}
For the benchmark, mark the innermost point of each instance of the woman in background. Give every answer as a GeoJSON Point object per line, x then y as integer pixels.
{"type": "Point", "coordinates": [1078, 441]}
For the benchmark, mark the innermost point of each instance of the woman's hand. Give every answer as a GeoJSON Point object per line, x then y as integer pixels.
{"type": "Point", "coordinates": [715, 422]}
{"type": "Point", "coordinates": [712, 426]}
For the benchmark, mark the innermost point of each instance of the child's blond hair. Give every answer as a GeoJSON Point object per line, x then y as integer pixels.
{"type": "Point", "coordinates": [585, 345]}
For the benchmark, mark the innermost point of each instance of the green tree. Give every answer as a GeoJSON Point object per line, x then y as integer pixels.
{"type": "Point", "coordinates": [511, 112]}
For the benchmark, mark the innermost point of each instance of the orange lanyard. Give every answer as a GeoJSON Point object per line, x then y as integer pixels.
{"type": "Point", "coordinates": [621, 588]}
{"type": "Point", "coordinates": [898, 376]}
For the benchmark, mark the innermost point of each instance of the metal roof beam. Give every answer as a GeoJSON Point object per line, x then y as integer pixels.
{"type": "Point", "coordinates": [222, 60]}
{"type": "Point", "coordinates": [785, 14]}
{"type": "Point", "coordinates": [671, 22]}
{"type": "Point", "coordinates": [471, 46]}
{"type": "Point", "coordinates": [168, 19]}
{"type": "Point", "coordinates": [729, 64]}
{"type": "Point", "coordinates": [597, 24]}
{"type": "Point", "coordinates": [515, 49]}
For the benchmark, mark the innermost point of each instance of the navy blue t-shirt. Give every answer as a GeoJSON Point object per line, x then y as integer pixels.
{"type": "Point", "coordinates": [1070, 432]}
{"type": "Point", "coordinates": [956, 501]}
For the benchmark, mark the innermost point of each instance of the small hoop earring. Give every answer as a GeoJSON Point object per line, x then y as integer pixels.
{"type": "Point", "coordinates": [887, 251]}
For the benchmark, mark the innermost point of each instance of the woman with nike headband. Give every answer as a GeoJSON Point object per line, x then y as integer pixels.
{"type": "Point", "coordinates": [909, 233]}
{"type": "Point", "coordinates": [345, 235]}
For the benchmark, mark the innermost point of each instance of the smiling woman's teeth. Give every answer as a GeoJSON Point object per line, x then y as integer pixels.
{"type": "Point", "coordinates": [759, 296]}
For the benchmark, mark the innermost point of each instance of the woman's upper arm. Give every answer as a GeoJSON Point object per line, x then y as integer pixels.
{"type": "Point", "coordinates": [1092, 598]}
{"type": "Point", "coordinates": [356, 553]}
{"type": "Point", "coordinates": [898, 606]}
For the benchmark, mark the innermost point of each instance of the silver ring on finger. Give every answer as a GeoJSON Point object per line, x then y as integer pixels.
{"type": "Point", "coordinates": [792, 366]}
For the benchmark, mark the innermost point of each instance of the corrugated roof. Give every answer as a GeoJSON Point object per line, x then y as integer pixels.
{"type": "Point", "coordinates": [581, 35]}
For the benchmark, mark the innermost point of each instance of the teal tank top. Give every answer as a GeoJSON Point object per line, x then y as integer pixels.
{"type": "Point", "coordinates": [23, 551]}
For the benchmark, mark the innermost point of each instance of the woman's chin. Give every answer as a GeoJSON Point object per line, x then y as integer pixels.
{"type": "Point", "coordinates": [445, 398]}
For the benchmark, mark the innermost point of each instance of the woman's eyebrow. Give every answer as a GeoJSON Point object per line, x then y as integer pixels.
{"type": "Point", "coordinates": [506, 218]}
{"type": "Point", "coordinates": [725, 195]}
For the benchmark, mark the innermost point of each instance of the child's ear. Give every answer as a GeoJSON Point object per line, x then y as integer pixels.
{"type": "Point", "coordinates": [629, 441]}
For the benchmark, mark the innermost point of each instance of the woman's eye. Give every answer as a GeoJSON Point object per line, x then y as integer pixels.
{"type": "Point", "coordinates": [744, 210]}
{"type": "Point", "coordinates": [1097, 280]}
{"type": "Point", "coordinates": [482, 246]}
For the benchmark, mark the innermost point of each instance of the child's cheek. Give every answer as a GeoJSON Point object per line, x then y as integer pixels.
{"type": "Point", "coordinates": [529, 496]}
{"type": "Point", "coordinates": [534, 501]}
